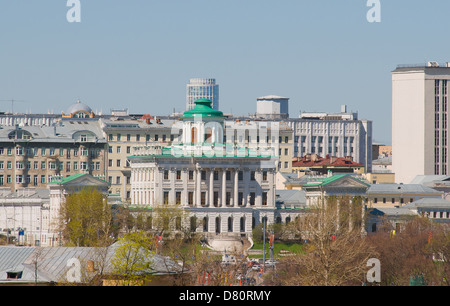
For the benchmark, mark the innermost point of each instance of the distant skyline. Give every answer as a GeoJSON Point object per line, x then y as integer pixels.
{"type": "Point", "coordinates": [140, 54]}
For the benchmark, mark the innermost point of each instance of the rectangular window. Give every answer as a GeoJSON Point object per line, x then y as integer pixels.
{"type": "Point", "coordinates": [203, 198]}
{"type": "Point", "coordinates": [191, 198]}
{"type": "Point", "coordinates": [178, 197]}
{"type": "Point", "coordinates": [264, 198]}
{"type": "Point", "coordinates": [252, 198]}
{"type": "Point", "coordinates": [216, 198]}
{"type": "Point", "coordinates": [166, 197]}
{"type": "Point", "coordinates": [228, 198]}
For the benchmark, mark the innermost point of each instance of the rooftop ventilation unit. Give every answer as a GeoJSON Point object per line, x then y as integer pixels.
{"type": "Point", "coordinates": [433, 64]}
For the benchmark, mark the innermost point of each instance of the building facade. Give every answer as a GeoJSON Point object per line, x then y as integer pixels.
{"type": "Point", "coordinates": [229, 187]}
{"type": "Point", "coordinates": [30, 156]}
{"type": "Point", "coordinates": [419, 120]}
{"type": "Point", "coordinates": [125, 134]}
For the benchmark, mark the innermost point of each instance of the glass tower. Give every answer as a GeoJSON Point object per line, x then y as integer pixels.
{"type": "Point", "coordinates": [198, 88]}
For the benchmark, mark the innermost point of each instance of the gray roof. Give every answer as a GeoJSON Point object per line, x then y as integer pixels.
{"type": "Point", "coordinates": [387, 160]}
{"type": "Point", "coordinates": [25, 193]}
{"type": "Point", "coordinates": [429, 203]}
{"type": "Point", "coordinates": [128, 123]}
{"type": "Point", "coordinates": [402, 189]}
{"type": "Point", "coordinates": [396, 211]}
{"type": "Point", "coordinates": [77, 107]}
{"type": "Point", "coordinates": [425, 179]}
{"type": "Point", "coordinates": [60, 132]}
{"type": "Point", "coordinates": [53, 262]}
{"type": "Point", "coordinates": [290, 198]}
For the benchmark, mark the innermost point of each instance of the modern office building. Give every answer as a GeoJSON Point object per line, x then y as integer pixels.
{"type": "Point", "coordinates": [419, 120]}
{"type": "Point", "coordinates": [202, 88]}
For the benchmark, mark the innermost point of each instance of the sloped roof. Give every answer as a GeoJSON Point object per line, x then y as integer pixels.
{"type": "Point", "coordinates": [52, 262]}
{"type": "Point", "coordinates": [68, 179]}
{"type": "Point", "coordinates": [429, 203]}
{"type": "Point", "coordinates": [328, 180]}
{"type": "Point", "coordinates": [401, 189]}
{"type": "Point", "coordinates": [317, 161]}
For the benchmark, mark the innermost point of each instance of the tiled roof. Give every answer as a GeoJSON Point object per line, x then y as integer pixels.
{"type": "Point", "coordinates": [317, 161]}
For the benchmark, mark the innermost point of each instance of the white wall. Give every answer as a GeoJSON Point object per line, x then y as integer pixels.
{"type": "Point", "coordinates": [408, 125]}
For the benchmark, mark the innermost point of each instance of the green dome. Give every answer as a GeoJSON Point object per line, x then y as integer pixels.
{"type": "Point", "coordinates": [202, 108]}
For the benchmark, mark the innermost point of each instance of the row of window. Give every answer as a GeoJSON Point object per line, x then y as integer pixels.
{"type": "Point", "coordinates": [52, 165]}
{"type": "Point", "coordinates": [319, 139]}
{"type": "Point", "coordinates": [203, 198]}
{"type": "Point", "coordinates": [51, 151]}
{"type": "Point", "coordinates": [20, 179]}
{"type": "Point", "coordinates": [137, 138]}
{"type": "Point", "coordinates": [384, 200]}
{"type": "Point", "coordinates": [215, 175]}
{"type": "Point", "coordinates": [118, 163]}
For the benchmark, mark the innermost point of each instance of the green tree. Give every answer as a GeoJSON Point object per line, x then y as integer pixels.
{"type": "Point", "coordinates": [336, 253]}
{"type": "Point", "coordinates": [85, 219]}
{"type": "Point", "coordinates": [132, 259]}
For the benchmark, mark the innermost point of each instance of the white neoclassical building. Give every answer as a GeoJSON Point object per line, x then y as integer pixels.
{"type": "Point", "coordinates": [228, 187]}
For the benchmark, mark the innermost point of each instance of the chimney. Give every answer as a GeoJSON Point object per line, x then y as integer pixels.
{"type": "Point", "coordinates": [147, 120]}
{"type": "Point", "coordinates": [90, 266]}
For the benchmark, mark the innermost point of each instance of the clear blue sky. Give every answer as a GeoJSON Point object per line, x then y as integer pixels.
{"type": "Point", "coordinates": [141, 53]}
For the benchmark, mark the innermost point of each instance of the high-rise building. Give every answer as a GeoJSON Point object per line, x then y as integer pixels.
{"type": "Point", "coordinates": [419, 121]}
{"type": "Point", "coordinates": [199, 88]}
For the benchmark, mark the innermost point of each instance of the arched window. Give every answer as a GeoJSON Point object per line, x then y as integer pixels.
{"type": "Point", "coordinates": [217, 225]}
{"type": "Point", "coordinates": [194, 135]}
{"type": "Point", "coordinates": [205, 224]}
{"type": "Point", "coordinates": [208, 135]}
{"type": "Point", "coordinates": [242, 224]}
{"type": "Point", "coordinates": [193, 224]}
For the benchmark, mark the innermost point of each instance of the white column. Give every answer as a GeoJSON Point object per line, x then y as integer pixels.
{"type": "Point", "coordinates": [198, 187]}
{"type": "Point", "coordinates": [258, 195]}
{"type": "Point", "coordinates": [246, 186]}
{"type": "Point", "coordinates": [224, 188]}
{"type": "Point", "coordinates": [236, 185]}
{"type": "Point", "coordinates": [211, 187]}
{"type": "Point", "coordinates": [185, 178]}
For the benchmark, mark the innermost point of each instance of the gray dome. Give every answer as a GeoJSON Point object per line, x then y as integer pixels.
{"type": "Point", "coordinates": [77, 107]}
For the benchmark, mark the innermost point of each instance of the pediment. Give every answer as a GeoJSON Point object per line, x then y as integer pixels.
{"type": "Point", "coordinates": [347, 182]}
{"type": "Point", "coordinates": [86, 180]}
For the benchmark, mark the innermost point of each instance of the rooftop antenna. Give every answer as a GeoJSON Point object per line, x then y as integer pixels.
{"type": "Point", "coordinates": [12, 103]}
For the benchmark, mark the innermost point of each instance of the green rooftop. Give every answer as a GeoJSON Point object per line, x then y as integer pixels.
{"type": "Point", "coordinates": [327, 180]}
{"type": "Point", "coordinates": [202, 109]}
{"type": "Point", "coordinates": [63, 180]}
